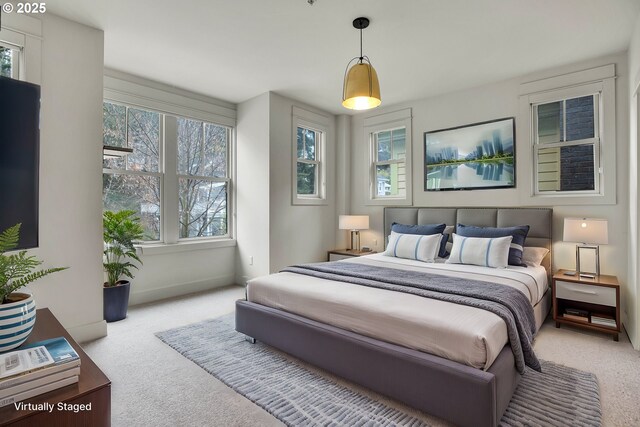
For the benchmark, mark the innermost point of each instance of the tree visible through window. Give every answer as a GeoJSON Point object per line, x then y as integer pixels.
{"type": "Point", "coordinates": [308, 168]}
{"type": "Point", "coordinates": [202, 174]}
{"type": "Point", "coordinates": [135, 182]}
{"type": "Point", "coordinates": [6, 61]}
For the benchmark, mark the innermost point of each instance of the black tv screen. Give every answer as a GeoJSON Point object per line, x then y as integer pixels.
{"type": "Point", "coordinates": [19, 158]}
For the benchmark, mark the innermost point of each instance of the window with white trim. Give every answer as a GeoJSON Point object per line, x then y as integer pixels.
{"type": "Point", "coordinates": [566, 135]}
{"type": "Point", "coordinates": [389, 158]}
{"type": "Point", "coordinates": [9, 61]}
{"type": "Point", "coordinates": [570, 121]}
{"type": "Point", "coordinates": [310, 133]}
{"type": "Point", "coordinates": [389, 163]}
{"type": "Point", "coordinates": [309, 179]}
{"type": "Point", "coordinates": [179, 168]}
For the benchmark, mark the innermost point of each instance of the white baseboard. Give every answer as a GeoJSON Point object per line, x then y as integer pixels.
{"type": "Point", "coordinates": [88, 332]}
{"type": "Point", "coordinates": [165, 292]}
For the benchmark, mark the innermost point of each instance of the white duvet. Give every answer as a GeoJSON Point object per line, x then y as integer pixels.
{"type": "Point", "coordinates": [464, 334]}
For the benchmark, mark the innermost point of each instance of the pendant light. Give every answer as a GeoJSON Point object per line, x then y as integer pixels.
{"type": "Point", "coordinates": [361, 89]}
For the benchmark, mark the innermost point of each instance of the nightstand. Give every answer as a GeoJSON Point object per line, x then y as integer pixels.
{"type": "Point", "coordinates": [587, 303]}
{"type": "Point", "coordinates": [338, 254]}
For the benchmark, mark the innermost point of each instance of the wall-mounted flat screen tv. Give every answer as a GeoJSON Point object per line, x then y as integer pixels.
{"type": "Point", "coordinates": [19, 158]}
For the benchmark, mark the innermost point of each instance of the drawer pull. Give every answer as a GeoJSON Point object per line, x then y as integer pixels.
{"type": "Point", "coordinates": [584, 292]}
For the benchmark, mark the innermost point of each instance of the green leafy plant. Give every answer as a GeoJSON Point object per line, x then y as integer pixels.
{"type": "Point", "coordinates": [120, 230]}
{"type": "Point", "coordinates": [17, 270]}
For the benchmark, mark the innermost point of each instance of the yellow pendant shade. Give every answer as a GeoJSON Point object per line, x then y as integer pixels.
{"type": "Point", "coordinates": [361, 87]}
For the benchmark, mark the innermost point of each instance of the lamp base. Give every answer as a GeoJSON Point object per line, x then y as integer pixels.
{"type": "Point", "coordinates": [354, 244]}
{"type": "Point", "coordinates": [596, 248]}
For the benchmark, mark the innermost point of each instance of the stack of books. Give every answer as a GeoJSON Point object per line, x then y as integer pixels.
{"type": "Point", "coordinates": [37, 368]}
{"type": "Point", "coordinates": [576, 315]}
{"type": "Point", "coordinates": [603, 320]}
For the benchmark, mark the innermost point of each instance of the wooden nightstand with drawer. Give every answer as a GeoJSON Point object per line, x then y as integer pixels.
{"type": "Point", "coordinates": [587, 303]}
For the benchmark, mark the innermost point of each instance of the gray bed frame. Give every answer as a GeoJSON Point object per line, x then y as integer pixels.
{"type": "Point", "coordinates": [458, 393]}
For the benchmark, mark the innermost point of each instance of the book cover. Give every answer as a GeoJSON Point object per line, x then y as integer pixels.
{"type": "Point", "coordinates": [27, 384]}
{"type": "Point", "coordinates": [604, 322]}
{"type": "Point", "coordinates": [576, 318]}
{"type": "Point", "coordinates": [62, 354]}
{"type": "Point", "coordinates": [38, 390]}
{"type": "Point", "coordinates": [19, 361]}
{"type": "Point", "coordinates": [576, 312]}
{"type": "Point", "coordinates": [59, 348]}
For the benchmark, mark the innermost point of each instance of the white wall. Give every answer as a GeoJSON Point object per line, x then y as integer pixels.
{"type": "Point", "coordinates": [297, 233]}
{"type": "Point", "coordinates": [70, 175]}
{"type": "Point", "coordinates": [178, 273]}
{"type": "Point", "coordinates": [489, 102]}
{"type": "Point", "coordinates": [632, 291]}
{"type": "Point", "coordinates": [252, 188]}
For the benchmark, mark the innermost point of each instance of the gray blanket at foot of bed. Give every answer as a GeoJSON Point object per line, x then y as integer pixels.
{"type": "Point", "coordinates": [510, 304]}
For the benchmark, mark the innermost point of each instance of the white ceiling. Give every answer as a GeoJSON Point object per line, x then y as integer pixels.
{"type": "Point", "coordinates": [237, 49]}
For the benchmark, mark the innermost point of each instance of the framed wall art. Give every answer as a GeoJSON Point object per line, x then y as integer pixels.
{"type": "Point", "coordinates": [470, 157]}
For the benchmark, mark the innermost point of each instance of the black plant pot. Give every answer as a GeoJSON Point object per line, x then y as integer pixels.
{"type": "Point", "coordinates": [116, 301]}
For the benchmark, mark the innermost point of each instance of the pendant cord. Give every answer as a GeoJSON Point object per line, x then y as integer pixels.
{"type": "Point", "coordinates": [360, 44]}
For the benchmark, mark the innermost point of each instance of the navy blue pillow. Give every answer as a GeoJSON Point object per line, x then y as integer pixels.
{"type": "Point", "coordinates": [425, 230]}
{"type": "Point", "coordinates": [519, 234]}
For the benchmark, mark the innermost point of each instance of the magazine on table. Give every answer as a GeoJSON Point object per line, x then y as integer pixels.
{"type": "Point", "coordinates": [26, 360]}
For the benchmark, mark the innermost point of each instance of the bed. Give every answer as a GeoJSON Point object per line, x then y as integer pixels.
{"type": "Point", "coordinates": [463, 372]}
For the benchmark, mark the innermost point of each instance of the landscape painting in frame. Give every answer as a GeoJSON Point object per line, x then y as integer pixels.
{"type": "Point", "coordinates": [476, 156]}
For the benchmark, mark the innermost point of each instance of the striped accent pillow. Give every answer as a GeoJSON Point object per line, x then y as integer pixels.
{"type": "Point", "coordinates": [518, 233]}
{"type": "Point", "coordinates": [487, 252]}
{"type": "Point", "coordinates": [414, 246]}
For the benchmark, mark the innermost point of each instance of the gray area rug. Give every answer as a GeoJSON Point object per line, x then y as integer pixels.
{"type": "Point", "coordinates": [295, 395]}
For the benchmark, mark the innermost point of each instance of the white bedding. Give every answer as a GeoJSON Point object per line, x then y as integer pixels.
{"type": "Point", "coordinates": [464, 334]}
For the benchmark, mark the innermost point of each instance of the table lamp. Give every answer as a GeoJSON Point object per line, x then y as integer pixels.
{"type": "Point", "coordinates": [590, 233]}
{"type": "Point", "coordinates": [355, 223]}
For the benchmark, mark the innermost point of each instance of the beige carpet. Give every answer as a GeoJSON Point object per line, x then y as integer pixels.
{"type": "Point", "coordinates": [154, 385]}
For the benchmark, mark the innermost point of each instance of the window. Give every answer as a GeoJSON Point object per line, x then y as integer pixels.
{"type": "Point", "coordinates": [133, 182]}
{"type": "Point", "coordinates": [389, 163]}
{"type": "Point", "coordinates": [570, 120]}
{"type": "Point", "coordinates": [177, 178]}
{"type": "Point", "coordinates": [9, 62]}
{"type": "Point", "coordinates": [389, 158]}
{"type": "Point", "coordinates": [308, 166]}
{"type": "Point", "coordinates": [203, 179]}
{"type": "Point", "coordinates": [308, 154]}
{"type": "Point", "coordinates": [567, 144]}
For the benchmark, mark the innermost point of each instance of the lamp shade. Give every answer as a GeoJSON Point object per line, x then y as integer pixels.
{"type": "Point", "coordinates": [586, 230]}
{"type": "Point", "coordinates": [353, 222]}
{"type": "Point", "coordinates": [361, 87]}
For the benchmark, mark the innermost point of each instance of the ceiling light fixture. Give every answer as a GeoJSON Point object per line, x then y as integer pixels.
{"type": "Point", "coordinates": [361, 89]}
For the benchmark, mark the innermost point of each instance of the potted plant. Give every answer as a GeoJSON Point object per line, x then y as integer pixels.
{"type": "Point", "coordinates": [120, 230]}
{"type": "Point", "coordinates": [18, 308]}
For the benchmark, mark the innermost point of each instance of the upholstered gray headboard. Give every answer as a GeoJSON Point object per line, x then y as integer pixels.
{"type": "Point", "coordinates": [538, 219]}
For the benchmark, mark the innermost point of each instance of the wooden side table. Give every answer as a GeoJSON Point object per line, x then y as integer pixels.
{"type": "Point", "coordinates": [93, 387]}
{"type": "Point", "coordinates": [338, 254]}
{"type": "Point", "coordinates": [592, 299]}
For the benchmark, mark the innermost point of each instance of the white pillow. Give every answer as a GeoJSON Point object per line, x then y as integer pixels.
{"type": "Point", "coordinates": [532, 256]}
{"type": "Point", "coordinates": [414, 246]}
{"type": "Point", "coordinates": [487, 252]}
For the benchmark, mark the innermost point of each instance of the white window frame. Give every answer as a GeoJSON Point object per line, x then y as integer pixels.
{"type": "Point", "coordinates": [23, 33]}
{"type": "Point", "coordinates": [319, 124]}
{"type": "Point", "coordinates": [122, 89]}
{"type": "Point", "coordinates": [598, 80]}
{"type": "Point", "coordinates": [381, 123]}
{"type": "Point", "coordinates": [226, 180]}
{"type": "Point", "coordinates": [595, 141]}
